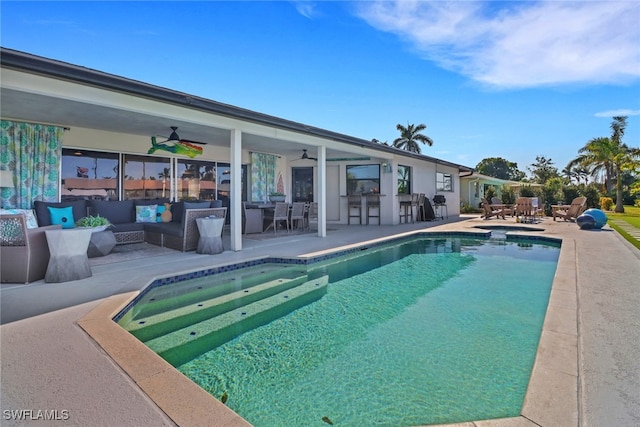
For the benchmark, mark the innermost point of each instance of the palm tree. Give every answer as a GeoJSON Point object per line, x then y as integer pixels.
{"type": "Point", "coordinates": [596, 156]}
{"type": "Point", "coordinates": [611, 156]}
{"type": "Point", "coordinates": [410, 136]}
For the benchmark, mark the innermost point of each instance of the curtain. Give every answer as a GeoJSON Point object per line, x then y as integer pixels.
{"type": "Point", "coordinates": [263, 176]}
{"type": "Point", "coordinates": [32, 153]}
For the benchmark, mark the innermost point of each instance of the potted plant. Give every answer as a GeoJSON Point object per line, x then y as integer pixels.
{"type": "Point", "coordinates": [277, 197]}
{"type": "Point", "coordinates": [98, 223]}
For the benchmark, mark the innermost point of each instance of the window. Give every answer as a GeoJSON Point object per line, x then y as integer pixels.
{"type": "Point", "coordinates": [404, 179]}
{"type": "Point", "coordinates": [146, 177]}
{"type": "Point", "coordinates": [363, 179]}
{"type": "Point", "coordinates": [196, 180]}
{"type": "Point", "coordinates": [89, 174]}
{"type": "Point", "coordinates": [444, 182]}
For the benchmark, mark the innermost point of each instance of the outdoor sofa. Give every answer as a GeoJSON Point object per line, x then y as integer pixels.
{"type": "Point", "coordinates": [180, 232]}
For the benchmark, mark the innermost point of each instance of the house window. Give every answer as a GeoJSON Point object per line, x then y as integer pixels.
{"type": "Point", "coordinates": [444, 182]}
{"type": "Point", "coordinates": [404, 179]}
{"type": "Point", "coordinates": [146, 177]}
{"type": "Point", "coordinates": [89, 174]}
{"type": "Point", "coordinates": [196, 180]}
{"type": "Point", "coordinates": [363, 179]}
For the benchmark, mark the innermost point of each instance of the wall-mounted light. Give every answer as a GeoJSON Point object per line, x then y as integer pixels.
{"type": "Point", "coordinates": [386, 167]}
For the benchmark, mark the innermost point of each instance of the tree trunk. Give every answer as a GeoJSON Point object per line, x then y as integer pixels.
{"type": "Point", "coordinates": [619, 206]}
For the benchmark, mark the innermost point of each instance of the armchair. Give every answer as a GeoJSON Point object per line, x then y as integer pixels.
{"type": "Point", "coordinates": [24, 253]}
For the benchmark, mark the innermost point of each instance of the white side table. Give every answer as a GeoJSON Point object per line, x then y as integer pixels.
{"type": "Point", "coordinates": [210, 235]}
{"type": "Point", "coordinates": [68, 254]}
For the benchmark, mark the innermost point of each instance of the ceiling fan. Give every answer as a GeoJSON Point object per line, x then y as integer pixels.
{"type": "Point", "coordinates": [305, 155]}
{"type": "Point", "coordinates": [174, 137]}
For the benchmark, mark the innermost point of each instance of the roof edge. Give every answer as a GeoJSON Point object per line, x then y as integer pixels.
{"type": "Point", "coordinates": [23, 61]}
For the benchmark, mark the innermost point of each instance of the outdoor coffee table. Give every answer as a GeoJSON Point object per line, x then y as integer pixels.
{"type": "Point", "coordinates": [101, 243]}
{"type": "Point", "coordinates": [68, 254]}
{"type": "Point", "coordinates": [210, 235]}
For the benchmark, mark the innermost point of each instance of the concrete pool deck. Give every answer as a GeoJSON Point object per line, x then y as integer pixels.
{"type": "Point", "coordinates": [587, 370]}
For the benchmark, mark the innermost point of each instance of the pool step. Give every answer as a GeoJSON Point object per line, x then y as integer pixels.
{"type": "Point", "coordinates": [153, 326]}
{"type": "Point", "coordinates": [187, 343]}
{"type": "Point", "coordinates": [195, 290]}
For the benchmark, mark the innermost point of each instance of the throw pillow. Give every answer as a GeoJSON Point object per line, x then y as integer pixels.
{"type": "Point", "coordinates": [159, 211]}
{"type": "Point", "coordinates": [146, 213]}
{"type": "Point", "coordinates": [166, 215]}
{"type": "Point", "coordinates": [29, 216]}
{"type": "Point", "coordinates": [62, 216]}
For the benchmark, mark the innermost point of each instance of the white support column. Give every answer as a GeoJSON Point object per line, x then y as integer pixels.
{"type": "Point", "coordinates": [322, 191]}
{"type": "Point", "coordinates": [235, 145]}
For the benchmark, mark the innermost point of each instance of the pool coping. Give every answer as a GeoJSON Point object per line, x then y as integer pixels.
{"type": "Point", "coordinates": [551, 397]}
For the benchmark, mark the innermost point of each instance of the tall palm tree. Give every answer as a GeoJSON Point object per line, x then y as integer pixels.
{"type": "Point", "coordinates": [410, 136]}
{"type": "Point", "coordinates": [611, 156]}
{"type": "Point", "coordinates": [596, 156]}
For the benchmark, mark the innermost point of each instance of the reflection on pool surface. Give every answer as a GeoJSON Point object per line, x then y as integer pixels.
{"type": "Point", "coordinates": [421, 332]}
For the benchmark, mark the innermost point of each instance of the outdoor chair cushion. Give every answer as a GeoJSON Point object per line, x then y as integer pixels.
{"type": "Point", "coordinates": [171, 228]}
{"type": "Point", "coordinates": [42, 213]}
{"type": "Point", "coordinates": [116, 211]}
{"type": "Point", "coordinates": [29, 216]}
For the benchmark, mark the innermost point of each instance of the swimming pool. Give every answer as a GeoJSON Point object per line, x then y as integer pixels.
{"type": "Point", "coordinates": [422, 332]}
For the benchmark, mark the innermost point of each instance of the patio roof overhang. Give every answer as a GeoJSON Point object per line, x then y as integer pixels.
{"type": "Point", "coordinates": [69, 95]}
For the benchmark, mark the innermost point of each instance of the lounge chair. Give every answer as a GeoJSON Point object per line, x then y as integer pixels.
{"type": "Point", "coordinates": [572, 211]}
{"type": "Point", "coordinates": [525, 211]}
{"type": "Point", "coordinates": [506, 209]}
{"type": "Point", "coordinates": [24, 252]}
{"type": "Point", "coordinates": [490, 212]}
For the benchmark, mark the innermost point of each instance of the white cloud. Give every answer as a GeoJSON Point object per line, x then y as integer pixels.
{"type": "Point", "coordinates": [620, 112]}
{"type": "Point", "coordinates": [305, 8]}
{"type": "Point", "coordinates": [519, 44]}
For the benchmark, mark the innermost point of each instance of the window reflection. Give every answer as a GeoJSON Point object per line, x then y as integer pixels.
{"type": "Point", "coordinates": [146, 177]}
{"type": "Point", "coordinates": [363, 179]}
{"type": "Point", "coordinates": [89, 174]}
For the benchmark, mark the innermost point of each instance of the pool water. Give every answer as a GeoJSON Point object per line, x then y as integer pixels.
{"type": "Point", "coordinates": [423, 332]}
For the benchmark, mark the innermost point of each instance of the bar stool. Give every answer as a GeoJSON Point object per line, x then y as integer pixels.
{"type": "Point", "coordinates": [373, 203]}
{"type": "Point", "coordinates": [421, 213]}
{"type": "Point", "coordinates": [406, 208]}
{"type": "Point", "coordinates": [354, 202]}
{"type": "Point", "coordinates": [440, 203]}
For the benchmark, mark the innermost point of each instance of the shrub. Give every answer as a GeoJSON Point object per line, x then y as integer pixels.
{"type": "Point", "coordinates": [489, 193]}
{"type": "Point", "coordinates": [527, 191]}
{"type": "Point", "coordinates": [606, 203]}
{"type": "Point", "coordinates": [508, 195]}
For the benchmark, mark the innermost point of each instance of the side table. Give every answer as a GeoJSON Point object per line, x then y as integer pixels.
{"type": "Point", "coordinates": [210, 235]}
{"type": "Point", "coordinates": [68, 260]}
{"type": "Point", "coordinates": [101, 243]}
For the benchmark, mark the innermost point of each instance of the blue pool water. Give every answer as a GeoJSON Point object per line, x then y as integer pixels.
{"type": "Point", "coordinates": [423, 332]}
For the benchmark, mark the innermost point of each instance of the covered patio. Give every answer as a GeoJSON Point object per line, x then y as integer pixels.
{"type": "Point", "coordinates": [109, 114]}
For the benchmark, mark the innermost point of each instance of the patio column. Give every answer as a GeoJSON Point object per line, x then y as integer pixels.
{"type": "Point", "coordinates": [235, 145]}
{"type": "Point", "coordinates": [322, 191]}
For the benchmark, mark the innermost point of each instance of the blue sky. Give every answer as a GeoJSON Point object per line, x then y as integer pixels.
{"type": "Point", "coordinates": [489, 79]}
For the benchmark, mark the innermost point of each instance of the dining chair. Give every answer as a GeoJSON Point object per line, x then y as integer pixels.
{"type": "Point", "coordinates": [279, 214]}
{"type": "Point", "coordinates": [312, 214]}
{"type": "Point", "coordinates": [297, 214]}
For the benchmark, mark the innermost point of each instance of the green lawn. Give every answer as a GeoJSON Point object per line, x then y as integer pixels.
{"type": "Point", "coordinates": [631, 215]}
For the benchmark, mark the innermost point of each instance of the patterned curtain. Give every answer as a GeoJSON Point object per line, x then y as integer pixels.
{"type": "Point", "coordinates": [32, 153]}
{"type": "Point", "coordinates": [263, 176]}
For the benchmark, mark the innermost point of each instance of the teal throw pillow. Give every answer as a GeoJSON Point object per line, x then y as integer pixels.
{"type": "Point", "coordinates": [146, 213]}
{"type": "Point", "coordinates": [159, 211]}
{"type": "Point", "coordinates": [62, 216]}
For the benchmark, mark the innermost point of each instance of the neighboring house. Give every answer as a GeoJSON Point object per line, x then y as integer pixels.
{"type": "Point", "coordinates": [473, 187]}
{"type": "Point", "coordinates": [78, 132]}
